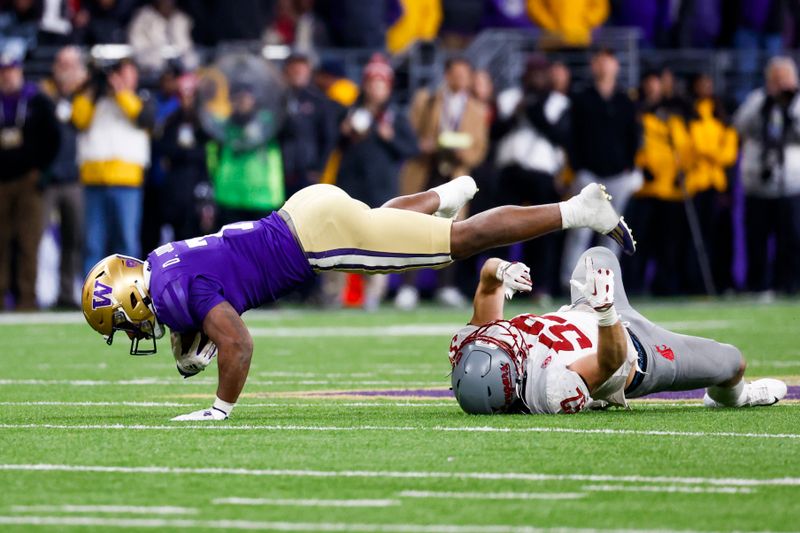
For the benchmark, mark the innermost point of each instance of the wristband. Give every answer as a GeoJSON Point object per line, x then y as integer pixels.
{"type": "Point", "coordinates": [606, 318]}
{"type": "Point", "coordinates": [501, 270]}
{"type": "Point", "coordinates": [223, 406]}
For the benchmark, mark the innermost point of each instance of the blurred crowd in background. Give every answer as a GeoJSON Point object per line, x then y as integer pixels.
{"type": "Point", "coordinates": [149, 128]}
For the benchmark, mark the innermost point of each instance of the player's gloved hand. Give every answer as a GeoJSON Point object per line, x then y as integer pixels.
{"type": "Point", "coordinates": [218, 411]}
{"type": "Point", "coordinates": [194, 359]}
{"type": "Point", "coordinates": [599, 292]}
{"type": "Point", "coordinates": [516, 277]}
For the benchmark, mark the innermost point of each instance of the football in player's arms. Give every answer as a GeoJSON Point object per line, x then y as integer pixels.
{"type": "Point", "coordinates": [596, 352]}
{"type": "Point", "coordinates": [206, 283]}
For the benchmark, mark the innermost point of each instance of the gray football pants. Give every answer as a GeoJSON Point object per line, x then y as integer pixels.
{"type": "Point", "coordinates": [674, 362]}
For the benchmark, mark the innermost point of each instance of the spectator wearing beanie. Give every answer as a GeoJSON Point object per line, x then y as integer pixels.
{"type": "Point", "coordinates": [375, 139]}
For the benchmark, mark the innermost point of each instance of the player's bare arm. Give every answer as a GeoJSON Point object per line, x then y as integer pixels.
{"type": "Point", "coordinates": [611, 350]}
{"type": "Point", "coordinates": [235, 349]}
{"type": "Point", "coordinates": [598, 289]}
{"type": "Point", "coordinates": [498, 280]}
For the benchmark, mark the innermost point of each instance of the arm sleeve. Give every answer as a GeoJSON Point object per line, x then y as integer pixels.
{"type": "Point", "coordinates": [556, 390]}
{"type": "Point", "coordinates": [540, 13]}
{"type": "Point", "coordinates": [49, 132]}
{"type": "Point", "coordinates": [596, 12]}
{"type": "Point", "coordinates": [729, 148]}
{"type": "Point", "coordinates": [747, 117]}
{"type": "Point", "coordinates": [82, 111]}
{"type": "Point", "coordinates": [479, 129]}
{"type": "Point", "coordinates": [404, 143]}
{"type": "Point", "coordinates": [130, 104]}
{"type": "Point", "coordinates": [204, 295]}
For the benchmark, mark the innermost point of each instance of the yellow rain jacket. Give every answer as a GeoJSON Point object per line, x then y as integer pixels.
{"type": "Point", "coordinates": [420, 21]}
{"type": "Point", "coordinates": [663, 151]}
{"type": "Point", "coordinates": [112, 149]}
{"type": "Point", "coordinates": [714, 147]}
{"type": "Point", "coordinates": [571, 21]}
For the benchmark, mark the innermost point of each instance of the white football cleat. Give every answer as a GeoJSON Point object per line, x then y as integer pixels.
{"type": "Point", "coordinates": [591, 208]}
{"type": "Point", "coordinates": [761, 392]}
{"type": "Point", "coordinates": [454, 195]}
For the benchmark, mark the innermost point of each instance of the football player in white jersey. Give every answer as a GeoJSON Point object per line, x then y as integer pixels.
{"type": "Point", "coordinates": [595, 352]}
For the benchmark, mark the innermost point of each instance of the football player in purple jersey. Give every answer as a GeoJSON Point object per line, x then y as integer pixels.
{"type": "Point", "coordinates": [199, 287]}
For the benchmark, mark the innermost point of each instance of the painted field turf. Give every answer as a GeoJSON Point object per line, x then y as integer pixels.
{"type": "Point", "coordinates": [86, 442]}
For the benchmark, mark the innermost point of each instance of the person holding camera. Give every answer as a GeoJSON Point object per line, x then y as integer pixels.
{"type": "Point", "coordinates": [769, 124]}
{"type": "Point", "coordinates": [113, 153]}
{"type": "Point", "coordinates": [376, 138]}
{"type": "Point", "coordinates": [533, 127]}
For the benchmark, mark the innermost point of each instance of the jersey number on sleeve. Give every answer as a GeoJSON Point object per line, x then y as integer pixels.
{"type": "Point", "coordinates": [197, 242]}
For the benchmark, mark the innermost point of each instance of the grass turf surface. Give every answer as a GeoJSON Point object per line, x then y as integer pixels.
{"type": "Point", "coordinates": [392, 461]}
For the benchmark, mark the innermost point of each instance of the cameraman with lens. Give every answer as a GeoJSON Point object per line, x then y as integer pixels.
{"type": "Point", "coordinates": [113, 153]}
{"type": "Point", "coordinates": [769, 123]}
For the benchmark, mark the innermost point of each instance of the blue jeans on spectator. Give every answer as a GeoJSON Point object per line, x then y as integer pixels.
{"type": "Point", "coordinates": [113, 221]}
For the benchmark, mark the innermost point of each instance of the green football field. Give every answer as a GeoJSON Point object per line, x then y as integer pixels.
{"type": "Point", "coordinates": [346, 425]}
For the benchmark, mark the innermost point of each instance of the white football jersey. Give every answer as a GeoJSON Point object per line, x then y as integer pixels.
{"type": "Point", "coordinates": [554, 341]}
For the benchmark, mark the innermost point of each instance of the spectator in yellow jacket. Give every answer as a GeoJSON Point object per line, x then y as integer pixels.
{"type": "Point", "coordinates": [113, 152]}
{"type": "Point", "coordinates": [714, 149]}
{"type": "Point", "coordinates": [569, 22]}
{"type": "Point", "coordinates": [657, 210]}
{"type": "Point", "coordinates": [419, 20]}
{"type": "Point", "coordinates": [714, 144]}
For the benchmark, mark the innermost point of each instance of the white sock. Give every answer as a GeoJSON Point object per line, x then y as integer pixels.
{"type": "Point", "coordinates": [569, 213]}
{"type": "Point", "coordinates": [222, 405]}
{"type": "Point", "coordinates": [453, 195]}
{"type": "Point", "coordinates": [735, 396]}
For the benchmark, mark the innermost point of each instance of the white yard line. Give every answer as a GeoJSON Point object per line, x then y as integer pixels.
{"type": "Point", "coordinates": [774, 364]}
{"type": "Point", "coordinates": [321, 404]}
{"type": "Point", "coordinates": [388, 474]}
{"type": "Point", "coordinates": [121, 509]}
{"type": "Point", "coordinates": [177, 381]}
{"type": "Point", "coordinates": [424, 494]}
{"type": "Point", "coordinates": [668, 488]}
{"type": "Point", "coordinates": [75, 317]}
{"type": "Point", "coordinates": [431, 330]}
{"type": "Point", "coordinates": [248, 525]}
{"type": "Point", "coordinates": [481, 429]}
{"type": "Point", "coordinates": [21, 319]}
{"type": "Point", "coordinates": [689, 325]}
{"type": "Point", "coordinates": [405, 330]}
{"type": "Point", "coordinates": [311, 502]}
{"type": "Point", "coordinates": [101, 404]}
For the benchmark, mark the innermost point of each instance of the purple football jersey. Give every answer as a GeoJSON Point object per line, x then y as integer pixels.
{"type": "Point", "coordinates": [246, 264]}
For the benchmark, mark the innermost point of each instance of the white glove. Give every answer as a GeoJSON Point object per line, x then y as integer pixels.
{"type": "Point", "coordinates": [203, 414]}
{"type": "Point", "coordinates": [196, 358]}
{"type": "Point", "coordinates": [516, 277]}
{"type": "Point", "coordinates": [218, 411]}
{"type": "Point", "coordinates": [599, 292]}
